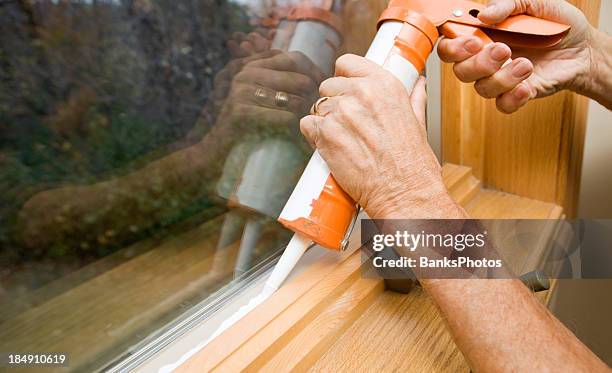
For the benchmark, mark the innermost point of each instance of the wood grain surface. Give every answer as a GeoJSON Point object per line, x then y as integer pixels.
{"type": "Point", "coordinates": [535, 152]}
{"type": "Point", "coordinates": [333, 319]}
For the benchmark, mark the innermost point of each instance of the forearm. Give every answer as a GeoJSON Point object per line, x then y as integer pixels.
{"type": "Point", "coordinates": [111, 211]}
{"type": "Point", "coordinates": [498, 324]}
{"type": "Point", "coordinates": [598, 83]}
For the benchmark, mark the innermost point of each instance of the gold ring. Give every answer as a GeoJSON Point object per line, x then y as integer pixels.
{"type": "Point", "coordinates": [260, 93]}
{"type": "Point", "coordinates": [281, 99]}
{"type": "Point", "coordinates": [315, 107]}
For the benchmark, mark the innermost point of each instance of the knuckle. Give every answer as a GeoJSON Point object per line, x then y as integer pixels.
{"type": "Point", "coordinates": [343, 108]}
{"type": "Point", "coordinates": [305, 125]}
{"type": "Point", "coordinates": [324, 88]}
{"type": "Point", "coordinates": [453, 48]}
{"type": "Point", "coordinates": [483, 65]}
{"type": "Point", "coordinates": [484, 88]}
{"type": "Point", "coordinates": [461, 73]}
{"type": "Point", "coordinates": [503, 106]}
{"type": "Point", "coordinates": [362, 88]}
{"type": "Point", "coordinates": [443, 48]}
{"type": "Point", "coordinates": [305, 84]}
{"type": "Point", "coordinates": [343, 60]}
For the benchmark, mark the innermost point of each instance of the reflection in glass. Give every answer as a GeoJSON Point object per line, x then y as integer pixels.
{"type": "Point", "coordinates": [146, 150]}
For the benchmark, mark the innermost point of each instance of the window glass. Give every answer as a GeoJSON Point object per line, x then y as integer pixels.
{"type": "Point", "coordinates": [146, 150]}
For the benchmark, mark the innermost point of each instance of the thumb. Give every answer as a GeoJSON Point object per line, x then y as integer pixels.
{"type": "Point", "coordinates": [498, 10]}
{"type": "Point", "coordinates": [418, 101]}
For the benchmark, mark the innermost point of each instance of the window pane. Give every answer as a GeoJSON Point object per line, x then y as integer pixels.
{"type": "Point", "coordinates": [146, 150]}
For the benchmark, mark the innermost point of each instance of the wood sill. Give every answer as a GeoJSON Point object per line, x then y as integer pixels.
{"type": "Point", "coordinates": [330, 318]}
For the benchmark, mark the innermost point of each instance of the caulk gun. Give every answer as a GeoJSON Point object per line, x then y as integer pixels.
{"type": "Point", "coordinates": [318, 210]}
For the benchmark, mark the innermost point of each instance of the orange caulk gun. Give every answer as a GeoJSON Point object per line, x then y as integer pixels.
{"type": "Point", "coordinates": [318, 210]}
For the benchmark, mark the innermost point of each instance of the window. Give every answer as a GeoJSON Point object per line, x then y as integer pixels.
{"type": "Point", "coordinates": [146, 149]}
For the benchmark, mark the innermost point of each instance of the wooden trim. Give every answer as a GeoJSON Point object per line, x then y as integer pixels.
{"type": "Point", "coordinates": [331, 318]}
{"type": "Point", "coordinates": [272, 323]}
{"type": "Point", "coordinates": [536, 152]}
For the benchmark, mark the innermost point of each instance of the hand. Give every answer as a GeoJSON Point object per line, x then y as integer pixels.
{"type": "Point", "coordinates": [533, 73]}
{"type": "Point", "coordinates": [243, 48]}
{"type": "Point", "coordinates": [372, 135]}
{"type": "Point", "coordinates": [290, 73]}
{"type": "Point", "coordinates": [253, 105]}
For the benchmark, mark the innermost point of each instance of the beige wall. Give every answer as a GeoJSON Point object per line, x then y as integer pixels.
{"type": "Point", "coordinates": [585, 306]}
{"type": "Point", "coordinates": [596, 184]}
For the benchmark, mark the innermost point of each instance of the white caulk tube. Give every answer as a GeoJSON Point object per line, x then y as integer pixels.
{"type": "Point", "coordinates": [318, 208]}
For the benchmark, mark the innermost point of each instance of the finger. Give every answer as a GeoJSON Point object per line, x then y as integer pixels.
{"type": "Point", "coordinates": [350, 65]}
{"type": "Point", "coordinates": [233, 67]}
{"type": "Point", "coordinates": [254, 118]}
{"type": "Point", "coordinates": [259, 42]}
{"type": "Point", "coordinates": [291, 62]}
{"type": "Point", "coordinates": [335, 86]}
{"type": "Point", "coordinates": [262, 31]}
{"type": "Point", "coordinates": [247, 47]}
{"type": "Point", "coordinates": [497, 10]}
{"type": "Point", "coordinates": [234, 49]}
{"type": "Point", "coordinates": [289, 82]}
{"type": "Point", "coordinates": [459, 49]}
{"type": "Point", "coordinates": [323, 107]}
{"type": "Point", "coordinates": [512, 101]}
{"type": "Point", "coordinates": [309, 125]}
{"type": "Point", "coordinates": [250, 94]}
{"type": "Point", "coordinates": [418, 101]}
{"type": "Point", "coordinates": [260, 56]}
{"type": "Point", "coordinates": [483, 64]}
{"type": "Point", "coordinates": [505, 79]}
{"type": "Point", "coordinates": [233, 45]}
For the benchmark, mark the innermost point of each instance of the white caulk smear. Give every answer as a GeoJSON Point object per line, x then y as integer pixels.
{"type": "Point", "coordinates": [292, 254]}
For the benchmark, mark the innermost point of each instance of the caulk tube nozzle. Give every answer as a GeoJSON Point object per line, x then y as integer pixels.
{"type": "Point", "coordinates": [292, 254]}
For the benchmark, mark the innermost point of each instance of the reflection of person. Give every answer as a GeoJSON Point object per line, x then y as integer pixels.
{"type": "Point", "coordinates": [498, 324]}
{"type": "Point", "coordinates": [70, 217]}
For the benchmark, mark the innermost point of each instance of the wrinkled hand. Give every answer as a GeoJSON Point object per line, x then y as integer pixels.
{"type": "Point", "coordinates": [372, 135]}
{"type": "Point", "coordinates": [533, 73]}
{"type": "Point", "coordinates": [243, 48]}
{"type": "Point", "coordinates": [253, 102]}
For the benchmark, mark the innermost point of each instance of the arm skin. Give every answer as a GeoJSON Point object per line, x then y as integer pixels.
{"type": "Point", "coordinates": [499, 325]}
{"type": "Point", "coordinates": [111, 211]}
{"type": "Point", "coordinates": [599, 85]}
{"type": "Point", "coordinates": [376, 147]}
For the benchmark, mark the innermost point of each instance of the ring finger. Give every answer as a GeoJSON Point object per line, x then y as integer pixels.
{"type": "Point", "coordinates": [323, 106]}
{"type": "Point", "coordinates": [263, 96]}
{"type": "Point", "coordinates": [285, 81]}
